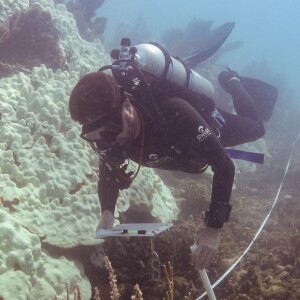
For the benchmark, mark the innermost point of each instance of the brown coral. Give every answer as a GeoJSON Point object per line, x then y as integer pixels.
{"type": "Point", "coordinates": [88, 26]}
{"type": "Point", "coordinates": [27, 39]}
{"type": "Point", "coordinates": [10, 204]}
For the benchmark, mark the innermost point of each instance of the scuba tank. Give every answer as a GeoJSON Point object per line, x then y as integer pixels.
{"type": "Point", "coordinates": [154, 60]}
{"type": "Point", "coordinates": [149, 65]}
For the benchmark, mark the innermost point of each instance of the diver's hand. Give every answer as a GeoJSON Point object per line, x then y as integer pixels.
{"type": "Point", "coordinates": [206, 248]}
{"type": "Point", "coordinates": [107, 220]}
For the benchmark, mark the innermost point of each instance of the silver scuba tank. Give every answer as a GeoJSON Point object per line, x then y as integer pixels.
{"type": "Point", "coordinates": [152, 60]}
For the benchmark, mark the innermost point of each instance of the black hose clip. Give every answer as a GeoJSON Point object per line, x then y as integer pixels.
{"type": "Point", "coordinates": [124, 178]}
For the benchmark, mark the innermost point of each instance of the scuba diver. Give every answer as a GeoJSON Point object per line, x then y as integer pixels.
{"type": "Point", "coordinates": [158, 112]}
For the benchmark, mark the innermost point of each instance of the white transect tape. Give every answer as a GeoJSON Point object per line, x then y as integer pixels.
{"type": "Point", "coordinates": [261, 226]}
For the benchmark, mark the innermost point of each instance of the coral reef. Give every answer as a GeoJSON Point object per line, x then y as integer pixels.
{"type": "Point", "coordinates": [26, 270]}
{"type": "Point", "coordinates": [114, 292]}
{"type": "Point", "coordinates": [269, 271]}
{"type": "Point", "coordinates": [39, 143]}
{"type": "Point", "coordinates": [169, 272]}
{"type": "Point", "coordinates": [48, 175]}
{"type": "Point", "coordinates": [89, 26]}
{"type": "Point", "coordinates": [141, 267]}
{"type": "Point", "coordinates": [28, 38]}
{"type": "Point", "coordinates": [138, 293]}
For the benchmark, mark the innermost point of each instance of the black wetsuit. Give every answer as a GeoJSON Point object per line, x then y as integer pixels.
{"type": "Point", "coordinates": [187, 143]}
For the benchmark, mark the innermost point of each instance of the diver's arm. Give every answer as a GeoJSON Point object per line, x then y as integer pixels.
{"type": "Point", "coordinates": [195, 134]}
{"type": "Point", "coordinates": [198, 141]}
{"type": "Point", "coordinates": [208, 240]}
{"type": "Point", "coordinates": [223, 177]}
{"type": "Point", "coordinates": [112, 179]}
{"type": "Point", "coordinates": [108, 187]}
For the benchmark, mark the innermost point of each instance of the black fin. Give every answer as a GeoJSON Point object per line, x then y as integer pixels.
{"type": "Point", "coordinates": [263, 94]}
{"type": "Point", "coordinates": [217, 39]}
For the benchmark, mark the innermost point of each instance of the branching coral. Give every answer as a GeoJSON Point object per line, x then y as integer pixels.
{"type": "Point", "coordinates": [114, 292]}
{"type": "Point", "coordinates": [77, 293]}
{"type": "Point", "coordinates": [138, 293]}
{"type": "Point", "coordinates": [97, 294]}
{"type": "Point", "coordinates": [169, 272]}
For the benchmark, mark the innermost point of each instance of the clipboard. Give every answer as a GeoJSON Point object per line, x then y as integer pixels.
{"type": "Point", "coordinates": [134, 229]}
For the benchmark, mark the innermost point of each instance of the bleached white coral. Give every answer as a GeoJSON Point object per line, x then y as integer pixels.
{"type": "Point", "coordinates": [9, 7]}
{"type": "Point", "coordinates": [48, 175]}
{"type": "Point", "coordinates": [26, 272]}
{"type": "Point", "coordinates": [49, 166]}
{"type": "Point", "coordinates": [149, 194]}
{"type": "Point", "coordinates": [53, 172]}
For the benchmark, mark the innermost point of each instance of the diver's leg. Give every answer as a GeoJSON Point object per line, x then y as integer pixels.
{"type": "Point", "coordinates": [242, 101]}
{"type": "Point", "coordinates": [239, 130]}
{"type": "Point", "coordinates": [246, 126]}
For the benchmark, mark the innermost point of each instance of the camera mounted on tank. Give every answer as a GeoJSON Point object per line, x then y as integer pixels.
{"type": "Point", "coordinates": [124, 68]}
{"type": "Point", "coordinates": [124, 55]}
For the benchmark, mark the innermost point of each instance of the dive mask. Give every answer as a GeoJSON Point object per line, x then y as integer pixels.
{"type": "Point", "coordinates": [101, 134]}
{"type": "Point", "coordinates": [103, 131]}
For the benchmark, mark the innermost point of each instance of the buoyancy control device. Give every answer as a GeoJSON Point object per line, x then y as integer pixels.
{"type": "Point", "coordinates": [149, 66]}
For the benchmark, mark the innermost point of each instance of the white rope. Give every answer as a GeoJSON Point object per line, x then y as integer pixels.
{"type": "Point", "coordinates": [261, 226]}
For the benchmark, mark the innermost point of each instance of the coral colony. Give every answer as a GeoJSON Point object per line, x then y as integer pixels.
{"type": "Point", "coordinates": [48, 176]}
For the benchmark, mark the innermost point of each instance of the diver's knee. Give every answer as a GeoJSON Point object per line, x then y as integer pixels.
{"type": "Point", "coordinates": [229, 166]}
{"type": "Point", "coordinates": [260, 130]}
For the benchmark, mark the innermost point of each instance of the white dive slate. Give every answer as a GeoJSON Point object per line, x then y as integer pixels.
{"type": "Point", "coordinates": [134, 229]}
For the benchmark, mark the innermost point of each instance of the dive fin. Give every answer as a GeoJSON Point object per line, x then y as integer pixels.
{"type": "Point", "coordinates": [263, 94]}
{"type": "Point", "coordinates": [217, 39]}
